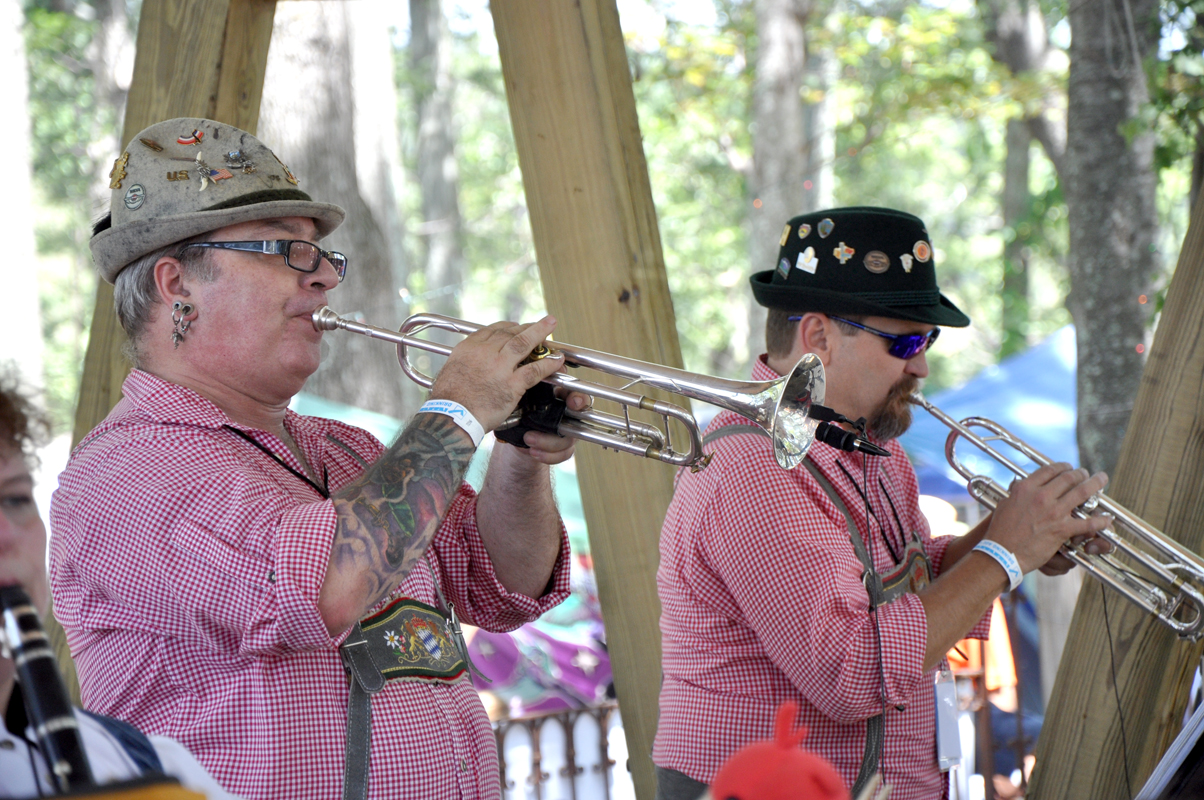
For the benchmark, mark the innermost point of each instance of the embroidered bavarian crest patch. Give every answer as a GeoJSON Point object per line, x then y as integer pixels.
{"type": "Point", "coordinates": [913, 573]}
{"type": "Point", "coordinates": [409, 640]}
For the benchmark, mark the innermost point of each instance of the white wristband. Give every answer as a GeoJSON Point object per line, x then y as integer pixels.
{"type": "Point", "coordinates": [459, 414]}
{"type": "Point", "coordinates": [1006, 560]}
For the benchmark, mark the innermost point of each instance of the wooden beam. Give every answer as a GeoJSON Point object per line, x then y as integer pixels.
{"type": "Point", "coordinates": [1082, 751]}
{"type": "Point", "coordinates": [600, 261]}
{"type": "Point", "coordinates": [194, 58]}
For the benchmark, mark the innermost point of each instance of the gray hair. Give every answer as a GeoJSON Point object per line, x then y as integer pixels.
{"type": "Point", "coordinates": [136, 295]}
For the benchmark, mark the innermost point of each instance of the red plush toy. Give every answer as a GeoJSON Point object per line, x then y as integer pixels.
{"type": "Point", "coordinates": [779, 769]}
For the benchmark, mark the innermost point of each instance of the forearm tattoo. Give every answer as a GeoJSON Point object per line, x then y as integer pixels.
{"type": "Point", "coordinates": [388, 516]}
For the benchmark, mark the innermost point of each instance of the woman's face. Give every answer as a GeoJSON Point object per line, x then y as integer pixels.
{"type": "Point", "coordinates": [22, 534]}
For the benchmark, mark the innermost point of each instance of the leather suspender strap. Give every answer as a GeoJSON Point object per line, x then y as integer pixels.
{"type": "Point", "coordinates": [874, 726]}
{"type": "Point", "coordinates": [366, 680]}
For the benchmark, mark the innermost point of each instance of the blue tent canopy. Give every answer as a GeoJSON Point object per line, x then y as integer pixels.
{"type": "Point", "coordinates": [1031, 394]}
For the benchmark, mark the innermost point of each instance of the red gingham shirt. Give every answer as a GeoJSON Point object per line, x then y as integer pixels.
{"type": "Point", "coordinates": [763, 602]}
{"type": "Point", "coordinates": [186, 566]}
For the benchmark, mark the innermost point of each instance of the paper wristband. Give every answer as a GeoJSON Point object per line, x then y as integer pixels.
{"type": "Point", "coordinates": [459, 414]}
{"type": "Point", "coordinates": [1005, 558]}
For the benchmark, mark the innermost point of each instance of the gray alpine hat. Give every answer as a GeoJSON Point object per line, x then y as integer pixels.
{"type": "Point", "coordinates": [180, 178]}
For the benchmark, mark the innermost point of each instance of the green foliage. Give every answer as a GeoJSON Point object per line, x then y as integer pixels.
{"type": "Point", "coordinates": [1176, 108]}
{"type": "Point", "coordinates": [924, 110]}
{"type": "Point", "coordinates": [63, 111]}
{"type": "Point", "coordinates": [693, 93]}
{"type": "Point", "coordinates": [66, 121]}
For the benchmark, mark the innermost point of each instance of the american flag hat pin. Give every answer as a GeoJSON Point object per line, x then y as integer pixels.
{"type": "Point", "coordinates": [207, 173]}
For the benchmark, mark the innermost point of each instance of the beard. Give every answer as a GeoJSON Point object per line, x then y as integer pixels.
{"type": "Point", "coordinates": [892, 417]}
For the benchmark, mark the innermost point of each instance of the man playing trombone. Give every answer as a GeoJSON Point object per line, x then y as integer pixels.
{"type": "Point", "coordinates": [222, 565]}
{"type": "Point", "coordinates": [822, 584]}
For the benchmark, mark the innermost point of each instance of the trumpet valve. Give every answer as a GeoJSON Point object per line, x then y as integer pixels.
{"type": "Point", "coordinates": [538, 354]}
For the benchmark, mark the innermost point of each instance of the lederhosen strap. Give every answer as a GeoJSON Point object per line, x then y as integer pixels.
{"type": "Point", "coordinates": [433, 650]}
{"type": "Point", "coordinates": [880, 592]}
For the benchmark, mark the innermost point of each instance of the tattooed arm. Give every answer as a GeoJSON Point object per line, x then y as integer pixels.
{"type": "Point", "coordinates": [387, 517]}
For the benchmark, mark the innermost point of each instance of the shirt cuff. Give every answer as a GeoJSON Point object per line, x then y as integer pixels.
{"type": "Point", "coordinates": [502, 609]}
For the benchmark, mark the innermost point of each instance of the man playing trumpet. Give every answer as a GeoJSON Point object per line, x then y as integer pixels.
{"type": "Point", "coordinates": [222, 565]}
{"type": "Point", "coordinates": [822, 584]}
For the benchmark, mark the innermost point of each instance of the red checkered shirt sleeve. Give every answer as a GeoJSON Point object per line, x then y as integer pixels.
{"type": "Point", "coordinates": [467, 578]}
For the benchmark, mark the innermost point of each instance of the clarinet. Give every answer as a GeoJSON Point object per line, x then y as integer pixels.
{"type": "Point", "coordinates": [46, 701]}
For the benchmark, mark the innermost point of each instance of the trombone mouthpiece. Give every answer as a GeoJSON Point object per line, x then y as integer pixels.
{"type": "Point", "coordinates": [324, 319]}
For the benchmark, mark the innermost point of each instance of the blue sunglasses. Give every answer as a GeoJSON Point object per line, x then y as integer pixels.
{"type": "Point", "coordinates": [902, 345]}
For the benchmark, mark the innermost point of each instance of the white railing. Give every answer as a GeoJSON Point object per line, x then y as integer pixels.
{"type": "Point", "coordinates": [565, 755]}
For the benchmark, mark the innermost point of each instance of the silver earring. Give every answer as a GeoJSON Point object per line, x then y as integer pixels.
{"type": "Point", "coordinates": [180, 325]}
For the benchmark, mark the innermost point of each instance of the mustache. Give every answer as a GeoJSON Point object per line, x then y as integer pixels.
{"type": "Point", "coordinates": [904, 389]}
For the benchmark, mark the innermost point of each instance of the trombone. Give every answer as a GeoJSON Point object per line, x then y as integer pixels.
{"type": "Point", "coordinates": [780, 407]}
{"type": "Point", "coordinates": [1146, 566]}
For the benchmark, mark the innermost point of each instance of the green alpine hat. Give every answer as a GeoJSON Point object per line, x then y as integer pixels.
{"type": "Point", "coordinates": [182, 177]}
{"type": "Point", "coordinates": [871, 261]}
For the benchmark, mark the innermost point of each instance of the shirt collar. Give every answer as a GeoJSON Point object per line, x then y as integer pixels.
{"type": "Point", "coordinates": [170, 403]}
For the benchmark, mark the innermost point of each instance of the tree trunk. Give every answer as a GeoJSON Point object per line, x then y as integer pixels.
{"type": "Point", "coordinates": [793, 140]}
{"type": "Point", "coordinates": [316, 102]}
{"type": "Point", "coordinates": [1019, 38]}
{"type": "Point", "coordinates": [1110, 191]}
{"type": "Point", "coordinates": [1017, 233]}
{"type": "Point", "coordinates": [438, 173]}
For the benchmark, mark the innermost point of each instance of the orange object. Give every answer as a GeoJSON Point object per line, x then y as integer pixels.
{"type": "Point", "coordinates": [1000, 669]}
{"type": "Point", "coordinates": [779, 769]}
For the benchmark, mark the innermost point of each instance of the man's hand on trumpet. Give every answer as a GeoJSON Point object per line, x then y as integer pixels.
{"type": "Point", "coordinates": [486, 372]}
{"type": "Point", "coordinates": [1036, 519]}
{"type": "Point", "coordinates": [489, 371]}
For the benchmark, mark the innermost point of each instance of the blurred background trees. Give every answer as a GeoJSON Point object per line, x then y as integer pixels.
{"type": "Point", "coordinates": [751, 111]}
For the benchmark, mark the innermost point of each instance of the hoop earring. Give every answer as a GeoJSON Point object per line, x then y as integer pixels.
{"type": "Point", "coordinates": [180, 325]}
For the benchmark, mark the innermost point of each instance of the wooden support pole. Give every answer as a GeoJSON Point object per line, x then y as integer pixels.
{"type": "Point", "coordinates": [194, 58]}
{"type": "Point", "coordinates": [600, 261]}
{"type": "Point", "coordinates": [1082, 751]}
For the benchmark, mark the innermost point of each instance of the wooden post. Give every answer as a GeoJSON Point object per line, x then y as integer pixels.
{"type": "Point", "coordinates": [1082, 751]}
{"type": "Point", "coordinates": [194, 58]}
{"type": "Point", "coordinates": [600, 261]}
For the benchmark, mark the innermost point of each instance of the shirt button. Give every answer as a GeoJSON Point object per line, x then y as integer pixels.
{"type": "Point", "coordinates": [464, 765]}
{"type": "Point", "coordinates": [7, 744]}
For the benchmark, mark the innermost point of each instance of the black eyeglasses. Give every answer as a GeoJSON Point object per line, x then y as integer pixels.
{"type": "Point", "coordinates": [902, 345]}
{"type": "Point", "coordinates": [301, 255]}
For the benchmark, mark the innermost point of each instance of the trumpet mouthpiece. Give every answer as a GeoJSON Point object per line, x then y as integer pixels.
{"type": "Point", "coordinates": [325, 319]}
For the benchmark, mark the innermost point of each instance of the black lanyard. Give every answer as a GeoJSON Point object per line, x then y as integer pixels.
{"type": "Point", "coordinates": [322, 490]}
{"type": "Point", "coordinates": [872, 514]}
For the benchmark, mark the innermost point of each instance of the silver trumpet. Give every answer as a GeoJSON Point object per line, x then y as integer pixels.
{"type": "Point", "coordinates": [1146, 566]}
{"type": "Point", "coordinates": [780, 406]}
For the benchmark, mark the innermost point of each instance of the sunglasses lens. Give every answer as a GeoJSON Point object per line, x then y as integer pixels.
{"type": "Point", "coordinates": [910, 346]}
{"type": "Point", "coordinates": [907, 346]}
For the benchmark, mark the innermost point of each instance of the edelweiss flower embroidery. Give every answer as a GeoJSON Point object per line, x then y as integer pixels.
{"type": "Point", "coordinates": [392, 640]}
